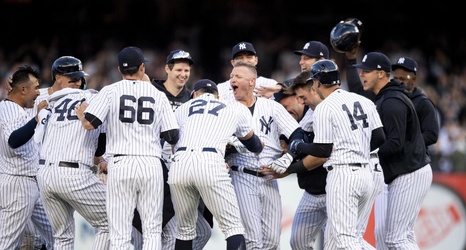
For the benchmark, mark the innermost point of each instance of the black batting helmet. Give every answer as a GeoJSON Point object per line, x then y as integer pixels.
{"type": "Point", "coordinates": [69, 66]}
{"type": "Point", "coordinates": [345, 35]}
{"type": "Point", "coordinates": [326, 72]}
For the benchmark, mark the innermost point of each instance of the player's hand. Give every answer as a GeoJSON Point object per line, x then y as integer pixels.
{"type": "Point", "coordinates": [79, 109]}
{"type": "Point", "coordinates": [281, 164]}
{"type": "Point", "coordinates": [267, 91]}
{"type": "Point", "coordinates": [271, 174]}
{"type": "Point", "coordinates": [351, 54]}
{"type": "Point", "coordinates": [239, 146]}
{"type": "Point", "coordinates": [293, 147]}
{"type": "Point", "coordinates": [102, 171]}
{"type": "Point", "coordinates": [42, 105]}
{"type": "Point", "coordinates": [102, 167]}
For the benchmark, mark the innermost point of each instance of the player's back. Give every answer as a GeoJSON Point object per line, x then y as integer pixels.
{"type": "Point", "coordinates": [346, 119]}
{"type": "Point", "coordinates": [136, 113]}
{"type": "Point", "coordinates": [209, 122]}
{"type": "Point", "coordinates": [65, 138]}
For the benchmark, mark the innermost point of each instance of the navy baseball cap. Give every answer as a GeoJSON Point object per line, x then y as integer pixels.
{"type": "Point", "coordinates": [242, 46]}
{"type": "Point", "coordinates": [179, 55]}
{"type": "Point", "coordinates": [130, 56]}
{"type": "Point", "coordinates": [314, 49]}
{"type": "Point", "coordinates": [405, 63]}
{"type": "Point", "coordinates": [204, 84]}
{"type": "Point", "coordinates": [375, 61]}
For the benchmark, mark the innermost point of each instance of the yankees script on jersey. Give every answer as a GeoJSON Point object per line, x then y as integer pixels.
{"type": "Point", "coordinates": [346, 120]}
{"type": "Point", "coordinates": [136, 113]}
{"type": "Point", "coordinates": [259, 200]}
{"type": "Point", "coordinates": [65, 179]}
{"type": "Point", "coordinates": [19, 194]}
{"type": "Point", "coordinates": [226, 93]}
{"type": "Point", "coordinates": [198, 169]}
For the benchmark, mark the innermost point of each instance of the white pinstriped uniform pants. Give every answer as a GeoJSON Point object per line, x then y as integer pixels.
{"type": "Point", "coordinates": [135, 181]}
{"type": "Point", "coordinates": [348, 192]}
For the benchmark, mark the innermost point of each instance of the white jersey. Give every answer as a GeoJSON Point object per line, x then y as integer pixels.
{"type": "Point", "coordinates": [21, 161]}
{"type": "Point", "coordinates": [67, 140]}
{"type": "Point", "coordinates": [307, 122]}
{"type": "Point", "coordinates": [225, 91]}
{"type": "Point", "coordinates": [349, 128]}
{"type": "Point", "coordinates": [224, 119]}
{"type": "Point", "coordinates": [270, 120]}
{"type": "Point", "coordinates": [136, 113]}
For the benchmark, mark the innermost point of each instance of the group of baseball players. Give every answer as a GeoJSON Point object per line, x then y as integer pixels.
{"type": "Point", "coordinates": [149, 163]}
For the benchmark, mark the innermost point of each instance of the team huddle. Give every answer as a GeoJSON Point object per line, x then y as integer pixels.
{"type": "Point", "coordinates": [150, 164]}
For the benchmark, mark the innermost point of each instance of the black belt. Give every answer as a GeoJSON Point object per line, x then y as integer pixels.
{"type": "Point", "coordinates": [64, 164]}
{"type": "Point", "coordinates": [359, 165]}
{"type": "Point", "coordinates": [248, 171]}
{"type": "Point", "coordinates": [203, 149]}
{"type": "Point", "coordinates": [118, 155]}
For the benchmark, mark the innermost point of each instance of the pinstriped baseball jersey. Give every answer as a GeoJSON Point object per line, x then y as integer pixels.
{"type": "Point", "coordinates": [66, 140]}
{"type": "Point", "coordinates": [226, 93]}
{"type": "Point", "coordinates": [307, 122]}
{"type": "Point", "coordinates": [228, 119]}
{"type": "Point", "coordinates": [136, 113]}
{"type": "Point", "coordinates": [24, 159]}
{"type": "Point", "coordinates": [347, 127]}
{"type": "Point", "coordinates": [206, 122]}
{"type": "Point", "coordinates": [270, 119]}
{"type": "Point", "coordinates": [17, 166]}
{"type": "Point", "coordinates": [259, 200]}
{"type": "Point", "coordinates": [64, 189]}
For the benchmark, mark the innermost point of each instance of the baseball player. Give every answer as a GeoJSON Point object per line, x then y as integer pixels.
{"type": "Point", "coordinates": [311, 52]}
{"type": "Point", "coordinates": [346, 128]}
{"type": "Point", "coordinates": [343, 37]}
{"type": "Point", "coordinates": [19, 162]}
{"type": "Point", "coordinates": [178, 69]}
{"type": "Point", "coordinates": [64, 68]}
{"type": "Point", "coordinates": [259, 200]}
{"type": "Point", "coordinates": [311, 215]}
{"type": "Point", "coordinates": [67, 72]}
{"type": "Point", "coordinates": [198, 169]}
{"type": "Point", "coordinates": [65, 179]}
{"type": "Point", "coordinates": [403, 156]}
{"type": "Point", "coordinates": [137, 116]}
{"type": "Point", "coordinates": [245, 52]}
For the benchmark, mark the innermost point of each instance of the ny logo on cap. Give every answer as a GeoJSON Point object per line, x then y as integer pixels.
{"type": "Point", "coordinates": [364, 58]}
{"type": "Point", "coordinates": [181, 54]}
{"type": "Point", "coordinates": [306, 46]}
{"type": "Point", "coordinates": [401, 60]}
{"type": "Point", "coordinates": [242, 46]}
